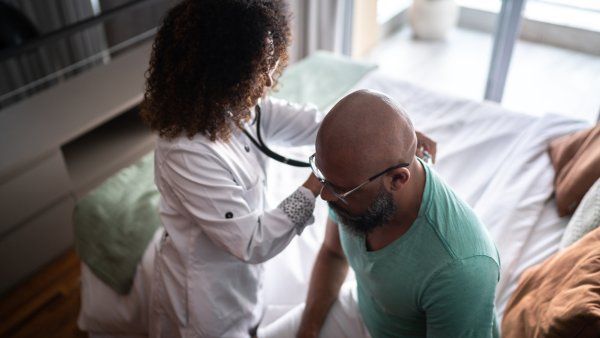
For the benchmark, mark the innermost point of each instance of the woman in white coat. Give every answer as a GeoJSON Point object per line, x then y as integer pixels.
{"type": "Point", "coordinates": [211, 65]}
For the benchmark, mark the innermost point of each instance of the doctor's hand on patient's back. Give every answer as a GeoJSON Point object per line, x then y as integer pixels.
{"type": "Point", "coordinates": [426, 147]}
{"type": "Point", "coordinates": [313, 184]}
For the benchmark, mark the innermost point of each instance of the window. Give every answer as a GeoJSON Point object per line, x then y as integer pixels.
{"type": "Point", "coordinates": [583, 14]}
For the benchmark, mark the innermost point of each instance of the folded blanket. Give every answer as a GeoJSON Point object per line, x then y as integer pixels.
{"type": "Point", "coordinates": [116, 221]}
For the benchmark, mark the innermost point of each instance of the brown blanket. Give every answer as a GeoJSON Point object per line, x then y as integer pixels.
{"type": "Point", "coordinates": [576, 160]}
{"type": "Point", "coordinates": [559, 297]}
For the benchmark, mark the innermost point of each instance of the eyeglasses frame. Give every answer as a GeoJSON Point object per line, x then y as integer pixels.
{"type": "Point", "coordinates": [342, 196]}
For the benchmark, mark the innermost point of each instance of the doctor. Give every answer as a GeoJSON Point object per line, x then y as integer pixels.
{"type": "Point", "coordinates": [212, 63]}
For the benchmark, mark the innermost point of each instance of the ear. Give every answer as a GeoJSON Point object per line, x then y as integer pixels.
{"type": "Point", "coordinates": [397, 178]}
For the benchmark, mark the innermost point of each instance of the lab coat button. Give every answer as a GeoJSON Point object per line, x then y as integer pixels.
{"type": "Point", "coordinates": [229, 214]}
{"type": "Point", "coordinates": [247, 148]}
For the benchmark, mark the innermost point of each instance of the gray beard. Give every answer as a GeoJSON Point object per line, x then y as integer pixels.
{"type": "Point", "coordinates": [377, 214]}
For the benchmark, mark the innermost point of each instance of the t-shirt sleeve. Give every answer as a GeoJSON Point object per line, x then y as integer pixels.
{"type": "Point", "coordinates": [459, 299]}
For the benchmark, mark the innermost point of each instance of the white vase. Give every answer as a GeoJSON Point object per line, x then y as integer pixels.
{"type": "Point", "coordinates": [433, 19]}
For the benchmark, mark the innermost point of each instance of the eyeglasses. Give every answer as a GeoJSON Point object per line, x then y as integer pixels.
{"type": "Point", "coordinates": [342, 196]}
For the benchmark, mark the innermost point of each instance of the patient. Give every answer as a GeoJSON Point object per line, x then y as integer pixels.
{"type": "Point", "coordinates": [425, 265]}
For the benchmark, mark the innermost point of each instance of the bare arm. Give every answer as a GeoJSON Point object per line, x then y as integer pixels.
{"type": "Point", "coordinates": [327, 277]}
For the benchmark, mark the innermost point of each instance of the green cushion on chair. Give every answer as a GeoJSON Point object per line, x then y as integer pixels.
{"type": "Point", "coordinates": [115, 222]}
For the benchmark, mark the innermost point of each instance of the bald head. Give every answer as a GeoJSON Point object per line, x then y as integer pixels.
{"type": "Point", "coordinates": [367, 132]}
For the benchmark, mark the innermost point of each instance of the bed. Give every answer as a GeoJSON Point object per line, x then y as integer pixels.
{"type": "Point", "coordinates": [495, 159]}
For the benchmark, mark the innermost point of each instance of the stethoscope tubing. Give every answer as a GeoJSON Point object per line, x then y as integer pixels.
{"type": "Point", "coordinates": [260, 144]}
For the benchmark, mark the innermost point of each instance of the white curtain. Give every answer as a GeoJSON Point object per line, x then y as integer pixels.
{"type": "Point", "coordinates": [320, 25]}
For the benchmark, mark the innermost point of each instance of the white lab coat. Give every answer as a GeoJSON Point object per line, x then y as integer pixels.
{"type": "Point", "coordinates": [208, 272]}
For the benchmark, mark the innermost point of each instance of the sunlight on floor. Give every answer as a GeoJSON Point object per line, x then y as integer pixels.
{"type": "Point", "coordinates": [542, 79]}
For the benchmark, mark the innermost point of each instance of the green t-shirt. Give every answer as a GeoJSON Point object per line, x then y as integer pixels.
{"type": "Point", "coordinates": [437, 280]}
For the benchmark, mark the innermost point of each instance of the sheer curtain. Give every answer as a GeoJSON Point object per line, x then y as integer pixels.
{"type": "Point", "coordinates": [320, 25]}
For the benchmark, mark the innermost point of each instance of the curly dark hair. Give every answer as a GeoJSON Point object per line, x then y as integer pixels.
{"type": "Point", "coordinates": [210, 63]}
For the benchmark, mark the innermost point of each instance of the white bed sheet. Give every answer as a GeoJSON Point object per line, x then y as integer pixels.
{"type": "Point", "coordinates": [495, 159]}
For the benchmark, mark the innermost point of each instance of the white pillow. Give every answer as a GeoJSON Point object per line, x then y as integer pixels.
{"type": "Point", "coordinates": [585, 219]}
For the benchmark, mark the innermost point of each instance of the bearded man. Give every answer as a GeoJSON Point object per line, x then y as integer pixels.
{"type": "Point", "coordinates": [425, 265]}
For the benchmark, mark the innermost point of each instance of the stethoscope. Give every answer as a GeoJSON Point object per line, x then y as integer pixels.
{"type": "Point", "coordinates": [294, 163]}
{"type": "Point", "coordinates": [265, 150]}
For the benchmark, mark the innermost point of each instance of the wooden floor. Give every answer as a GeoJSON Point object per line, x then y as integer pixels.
{"type": "Point", "coordinates": [47, 304]}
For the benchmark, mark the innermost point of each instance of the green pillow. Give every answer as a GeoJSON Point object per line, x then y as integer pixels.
{"type": "Point", "coordinates": [115, 222]}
